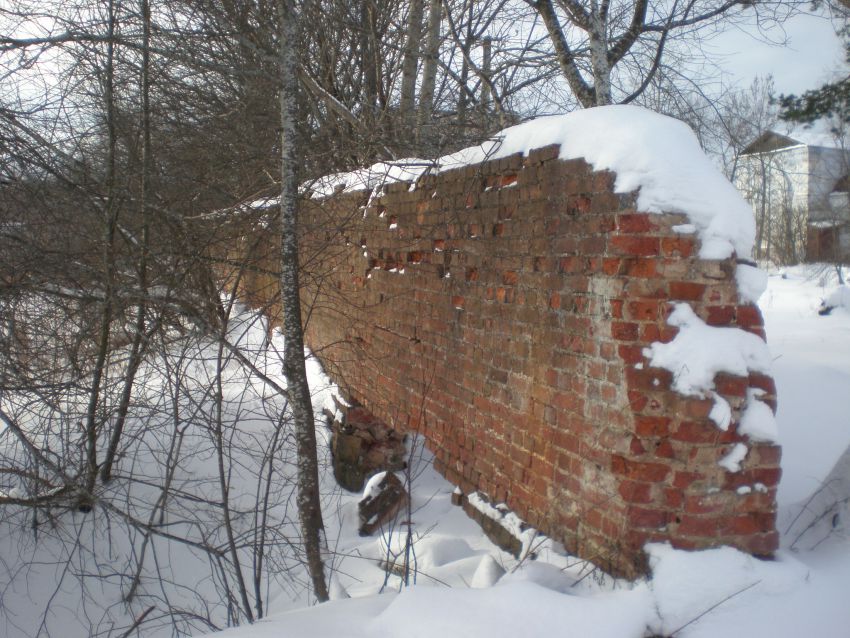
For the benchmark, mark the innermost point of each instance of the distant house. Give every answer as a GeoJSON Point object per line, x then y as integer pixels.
{"type": "Point", "coordinates": [798, 188]}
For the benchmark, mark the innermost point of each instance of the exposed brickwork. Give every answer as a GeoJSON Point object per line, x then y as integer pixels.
{"type": "Point", "coordinates": [501, 310]}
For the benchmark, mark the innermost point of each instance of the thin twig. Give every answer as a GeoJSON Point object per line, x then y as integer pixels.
{"type": "Point", "coordinates": [137, 622]}
{"type": "Point", "coordinates": [715, 606]}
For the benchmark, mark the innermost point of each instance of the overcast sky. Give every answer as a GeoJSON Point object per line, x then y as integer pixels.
{"type": "Point", "coordinates": [812, 54]}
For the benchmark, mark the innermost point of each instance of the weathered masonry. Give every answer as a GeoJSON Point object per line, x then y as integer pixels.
{"type": "Point", "coordinates": [502, 310]}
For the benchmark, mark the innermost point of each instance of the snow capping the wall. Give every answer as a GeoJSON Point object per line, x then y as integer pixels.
{"type": "Point", "coordinates": [652, 153]}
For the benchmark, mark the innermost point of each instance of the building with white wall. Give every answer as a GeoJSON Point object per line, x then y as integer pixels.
{"type": "Point", "coordinates": [798, 187]}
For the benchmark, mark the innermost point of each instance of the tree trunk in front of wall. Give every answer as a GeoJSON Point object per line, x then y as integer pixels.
{"type": "Point", "coordinates": [309, 506]}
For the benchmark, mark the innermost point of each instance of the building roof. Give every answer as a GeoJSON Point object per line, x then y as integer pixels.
{"type": "Point", "coordinates": [769, 141]}
{"type": "Point", "coordinates": [800, 136]}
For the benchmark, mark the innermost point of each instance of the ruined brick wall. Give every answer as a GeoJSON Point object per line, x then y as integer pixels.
{"type": "Point", "coordinates": [501, 310]}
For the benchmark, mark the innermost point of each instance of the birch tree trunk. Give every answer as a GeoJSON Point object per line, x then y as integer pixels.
{"type": "Point", "coordinates": [309, 507]}
{"type": "Point", "coordinates": [411, 59]}
{"type": "Point", "coordinates": [632, 36]}
{"type": "Point", "coordinates": [429, 66]}
{"type": "Point", "coordinates": [598, 38]}
{"type": "Point", "coordinates": [487, 68]}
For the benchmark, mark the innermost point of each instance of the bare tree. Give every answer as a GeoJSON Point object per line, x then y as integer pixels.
{"type": "Point", "coordinates": [611, 51]}
{"type": "Point", "coordinates": [309, 506]}
{"type": "Point", "coordinates": [136, 353]}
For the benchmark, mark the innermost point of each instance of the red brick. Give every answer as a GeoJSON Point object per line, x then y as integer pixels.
{"type": "Point", "coordinates": [624, 331]}
{"type": "Point", "coordinates": [637, 539]}
{"type": "Point", "coordinates": [664, 449]}
{"type": "Point", "coordinates": [567, 401]}
{"type": "Point", "coordinates": [769, 477]}
{"type": "Point", "coordinates": [746, 525]}
{"type": "Point", "coordinates": [652, 425]}
{"type": "Point", "coordinates": [706, 527]}
{"type": "Point", "coordinates": [673, 497]}
{"type": "Point", "coordinates": [682, 480]}
{"type": "Point", "coordinates": [644, 310]}
{"type": "Point", "coordinates": [571, 264]}
{"type": "Point", "coordinates": [677, 246]}
{"type": "Point", "coordinates": [635, 223]}
{"type": "Point", "coordinates": [617, 308]}
{"type": "Point", "coordinates": [729, 385]}
{"type": "Point", "coordinates": [643, 517]}
{"type": "Point", "coordinates": [748, 317]}
{"type": "Point", "coordinates": [637, 400]}
{"type": "Point", "coordinates": [603, 181]}
{"type": "Point", "coordinates": [651, 332]}
{"type": "Point", "coordinates": [639, 470]}
{"type": "Point", "coordinates": [630, 354]}
{"type": "Point", "coordinates": [638, 246]}
{"type": "Point", "coordinates": [688, 544]}
{"type": "Point", "coordinates": [720, 315]}
{"type": "Point", "coordinates": [641, 267]}
{"type": "Point", "coordinates": [507, 211]}
{"type": "Point", "coordinates": [686, 290]}
{"type": "Point", "coordinates": [593, 245]}
{"type": "Point", "coordinates": [579, 205]}
{"type": "Point", "coordinates": [507, 180]}
{"type": "Point", "coordinates": [696, 432]}
{"type": "Point", "coordinates": [542, 154]}
{"type": "Point", "coordinates": [707, 504]}
{"type": "Point", "coordinates": [612, 265]}
{"type": "Point", "coordinates": [696, 408]}
{"type": "Point", "coordinates": [762, 382]}
{"type": "Point", "coordinates": [542, 264]}
{"type": "Point", "coordinates": [764, 544]}
{"type": "Point", "coordinates": [765, 455]}
{"type": "Point", "coordinates": [636, 492]}
{"type": "Point", "coordinates": [510, 278]}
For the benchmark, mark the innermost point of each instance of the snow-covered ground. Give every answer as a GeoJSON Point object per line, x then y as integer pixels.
{"type": "Point", "coordinates": [72, 575]}
{"type": "Point", "coordinates": [811, 365]}
{"type": "Point", "coordinates": [459, 591]}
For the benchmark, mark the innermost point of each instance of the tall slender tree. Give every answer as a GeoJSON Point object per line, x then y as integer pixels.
{"type": "Point", "coordinates": [294, 369]}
